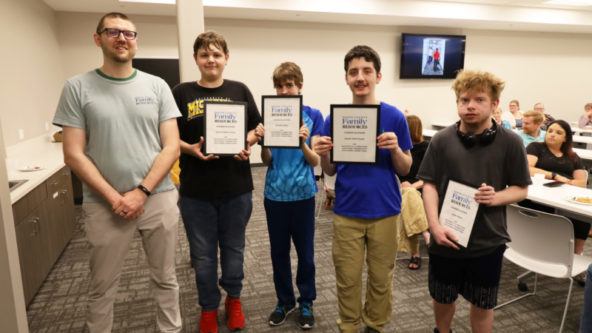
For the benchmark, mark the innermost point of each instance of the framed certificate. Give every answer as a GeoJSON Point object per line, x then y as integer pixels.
{"type": "Point", "coordinates": [225, 128]}
{"type": "Point", "coordinates": [282, 118]}
{"type": "Point", "coordinates": [354, 129]}
{"type": "Point", "coordinates": [459, 210]}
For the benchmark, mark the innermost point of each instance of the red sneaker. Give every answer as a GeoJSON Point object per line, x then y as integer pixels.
{"type": "Point", "coordinates": [234, 313]}
{"type": "Point", "coordinates": [208, 323]}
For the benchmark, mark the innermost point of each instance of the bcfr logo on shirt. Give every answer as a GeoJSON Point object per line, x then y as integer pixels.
{"type": "Point", "coordinates": [145, 100]}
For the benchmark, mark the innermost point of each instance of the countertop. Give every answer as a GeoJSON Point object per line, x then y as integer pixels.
{"type": "Point", "coordinates": [39, 151]}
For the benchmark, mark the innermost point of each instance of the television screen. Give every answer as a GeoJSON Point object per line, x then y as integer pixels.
{"type": "Point", "coordinates": [167, 69]}
{"type": "Point", "coordinates": [431, 56]}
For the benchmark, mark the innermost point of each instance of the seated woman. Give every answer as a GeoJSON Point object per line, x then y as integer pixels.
{"type": "Point", "coordinates": [412, 211]}
{"type": "Point", "coordinates": [497, 116]}
{"type": "Point", "coordinates": [585, 121]}
{"type": "Point", "coordinates": [556, 159]}
{"type": "Point", "coordinates": [514, 117]}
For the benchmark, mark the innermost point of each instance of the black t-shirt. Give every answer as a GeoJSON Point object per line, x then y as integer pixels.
{"type": "Point", "coordinates": [500, 164]}
{"type": "Point", "coordinates": [417, 153]}
{"type": "Point", "coordinates": [213, 179]}
{"type": "Point", "coordinates": [548, 161]}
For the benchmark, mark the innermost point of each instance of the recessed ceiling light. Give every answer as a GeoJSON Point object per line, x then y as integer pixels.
{"type": "Point", "coordinates": [570, 2]}
{"type": "Point", "coordinates": [163, 2]}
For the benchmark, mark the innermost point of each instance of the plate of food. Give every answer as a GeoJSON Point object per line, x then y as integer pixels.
{"type": "Point", "coordinates": [581, 200]}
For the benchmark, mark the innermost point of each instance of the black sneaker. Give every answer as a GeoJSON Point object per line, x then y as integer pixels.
{"type": "Point", "coordinates": [371, 330]}
{"type": "Point", "coordinates": [306, 320]}
{"type": "Point", "coordinates": [279, 315]}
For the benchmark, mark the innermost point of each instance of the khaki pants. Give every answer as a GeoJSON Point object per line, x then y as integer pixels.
{"type": "Point", "coordinates": [352, 239]}
{"type": "Point", "coordinates": [110, 236]}
{"type": "Point", "coordinates": [414, 220]}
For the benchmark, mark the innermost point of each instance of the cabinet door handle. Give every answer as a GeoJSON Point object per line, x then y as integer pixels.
{"type": "Point", "coordinates": [64, 195]}
{"type": "Point", "coordinates": [35, 222]}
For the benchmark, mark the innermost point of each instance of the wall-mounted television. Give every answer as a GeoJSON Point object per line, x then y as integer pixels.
{"type": "Point", "coordinates": [431, 56]}
{"type": "Point", "coordinates": [167, 69]}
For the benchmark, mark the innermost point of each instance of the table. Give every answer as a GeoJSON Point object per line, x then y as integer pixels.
{"type": "Point", "coordinates": [581, 131]}
{"type": "Point", "coordinates": [556, 197]}
{"type": "Point", "coordinates": [429, 133]}
{"type": "Point", "coordinates": [584, 154]}
{"type": "Point", "coordinates": [587, 140]}
{"type": "Point", "coordinates": [438, 125]}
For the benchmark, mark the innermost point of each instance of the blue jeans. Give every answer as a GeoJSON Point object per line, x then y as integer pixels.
{"type": "Point", "coordinates": [293, 220]}
{"type": "Point", "coordinates": [213, 223]}
{"type": "Point", "coordinates": [586, 322]}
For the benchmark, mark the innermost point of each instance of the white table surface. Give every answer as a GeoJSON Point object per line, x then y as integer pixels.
{"type": "Point", "coordinates": [582, 139]}
{"type": "Point", "coordinates": [557, 197]}
{"type": "Point", "coordinates": [441, 124]}
{"type": "Point", "coordinates": [581, 131]}
{"type": "Point", "coordinates": [429, 133]}
{"type": "Point", "coordinates": [584, 154]}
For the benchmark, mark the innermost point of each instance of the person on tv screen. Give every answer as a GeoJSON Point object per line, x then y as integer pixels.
{"type": "Point", "coordinates": [436, 59]}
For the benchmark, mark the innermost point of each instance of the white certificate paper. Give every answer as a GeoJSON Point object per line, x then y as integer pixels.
{"type": "Point", "coordinates": [459, 210]}
{"type": "Point", "coordinates": [354, 129]}
{"type": "Point", "coordinates": [282, 118]}
{"type": "Point", "coordinates": [225, 128]}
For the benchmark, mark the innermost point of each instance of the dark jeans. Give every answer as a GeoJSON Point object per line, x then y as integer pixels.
{"type": "Point", "coordinates": [213, 223]}
{"type": "Point", "coordinates": [295, 220]}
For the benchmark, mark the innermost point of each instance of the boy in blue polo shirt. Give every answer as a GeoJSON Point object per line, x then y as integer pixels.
{"type": "Point", "coordinates": [368, 203]}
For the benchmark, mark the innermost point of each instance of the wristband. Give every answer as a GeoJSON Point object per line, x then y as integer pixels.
{"type": "Point", "coordinates": [144, 189]}
{"type": "Point", "coordinates": [553, 175]}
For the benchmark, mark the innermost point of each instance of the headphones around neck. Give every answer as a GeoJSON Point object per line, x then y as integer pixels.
{"type": "Point", "coordinates": [470, 140]}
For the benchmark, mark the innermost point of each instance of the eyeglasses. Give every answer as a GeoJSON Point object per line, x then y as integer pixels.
{"type": "Point", "coordinates": [114, 33]}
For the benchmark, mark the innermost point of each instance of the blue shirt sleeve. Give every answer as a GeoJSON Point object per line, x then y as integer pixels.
{"type": "Point", "coordinates": [327, 127]}
{"type": "Point", "coordinates": [317, 119]}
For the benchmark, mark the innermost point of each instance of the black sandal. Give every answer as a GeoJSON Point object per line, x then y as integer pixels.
{"type": "Point", "coordinates": [415, 261]}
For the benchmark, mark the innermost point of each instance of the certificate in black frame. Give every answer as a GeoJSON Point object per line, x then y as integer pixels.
{"type": "Point", "coordinates": [295, 141]}
{"type": "Point", "coordinates": [357, 124]}
{"type": "Point", "coordinates": [208, 113]}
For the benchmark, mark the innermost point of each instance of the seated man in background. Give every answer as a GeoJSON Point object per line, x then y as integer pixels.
{"type": "Point", "coordinates": [547, 118]}
{"type": "Point", "coordinates": [585, 121]}
{"type": "Point", "coordinates": [531, 128]}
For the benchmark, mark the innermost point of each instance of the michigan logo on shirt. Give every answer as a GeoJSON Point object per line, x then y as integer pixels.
{"type": "Point", "coordinates": [196, 108]}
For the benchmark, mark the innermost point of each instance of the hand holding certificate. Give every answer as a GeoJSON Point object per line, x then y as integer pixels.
{"type": "Point", "coordinates": [354, 129]}
{"type": "Point", "coordinates": [225, 128]}
{"type": "Point", "coordinates": [459, 210]}
{"type": "Point", "coordinates": [282, 116]}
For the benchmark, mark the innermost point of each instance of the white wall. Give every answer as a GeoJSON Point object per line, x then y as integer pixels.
{"type": "Point", "coordinates": [157, 38]}
{"type": "Point", "coordinates": [550, 67]}
{"type": "Point", "coordinates": [547, 67]}
{"type": "Point", "coordinates": [31, 68]}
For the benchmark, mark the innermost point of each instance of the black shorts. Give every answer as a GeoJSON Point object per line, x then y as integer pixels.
{"type": "Point", "coordinates": [476, 279]}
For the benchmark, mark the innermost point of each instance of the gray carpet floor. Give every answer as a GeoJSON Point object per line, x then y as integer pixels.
{"type": "Point", "coordinates": [60, 304]}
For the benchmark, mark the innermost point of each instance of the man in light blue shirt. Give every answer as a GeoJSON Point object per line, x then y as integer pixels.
{"type": "Point", "coordinates": [531, 128]}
